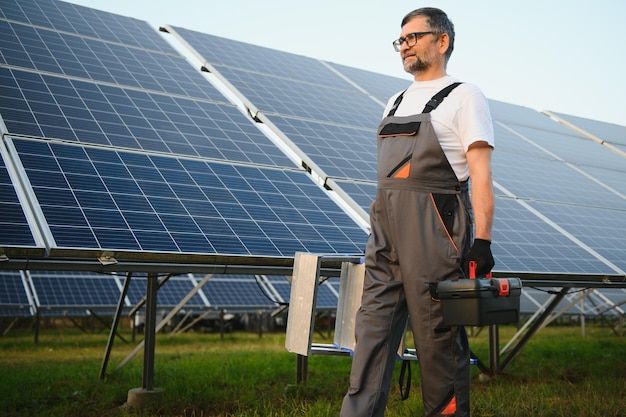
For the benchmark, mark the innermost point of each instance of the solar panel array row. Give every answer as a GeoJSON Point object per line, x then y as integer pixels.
{"type": "Point", "coordinates": [77, 293]}
{"type": "Point", "coordinates": [116, 144]}
{"type": "Point", "coordinates": [22, 293]}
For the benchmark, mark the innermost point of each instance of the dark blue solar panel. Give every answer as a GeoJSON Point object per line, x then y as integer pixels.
{"type": "Point", "coordinates": [170, 294]}
{"type": "Point", "coordinates": [307, 101]}
{"type": "Point", "coordinates": [526, 243]}
{"type": "Point", "coordinates": [75, 289]}
{"type": "Point", "coordinates": [236, 291]}
{"type": "Point", "coordinates": [602, 230]}
{"type": "Point", "coordinates": [14, 227]}
{"type": "Point", "coordinates": [260, 60]}
{"type": "Point", "coordinates": [140, 202]}
{"type": "Point", "coordinates": [91, 59]}
{"type": "Point", "coordinates": [121, 85]}
{"type": "Point", "coordinates": [84, 21]}
{"type": "Point", "coordinates": [276, 95]}
{"type": "Point", "coordinates": [53, 107]}
{"type": "Point", "coordinates": [327, 294]}
{"type": "Point", "coordinates": [363, 193]}
{"type": "Point", "coordinates": [14, 300]}
{"type": "Point", "coordinates": [340, 151]}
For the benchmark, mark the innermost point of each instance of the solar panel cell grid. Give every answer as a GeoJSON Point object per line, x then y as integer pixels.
{"type": "Point", "coordinates": [380, 86]}
{"type": "Point", "coordinates": [603, 230]}
{"type": "Point", "coordinates": [67, 289]}
{"type": "Point", "coordinates": [573, 148]}
{"type": "Point", "coordinates": [309, 101]}
{"type": "Point", "coordinates": [106, 217]}
{"type": "Point", "coordinates": [12, 290]}
{"type": "Point", "coordinates": [340, 151]}
{"type": "Point", "coordinates": [260, 60]}
{"type": "Point", "coordinates": [526, 177]}
{"type": "Point", "coordinates": [169, 294]}
{"type": "Point", "coordinates": [115, 117]}
{"type": "Point", "coordinates": [14, 227]}
{"type": "Point", "coordinates": [524, 243]}
{"type": "Point", "coordinates": [609, 132]}
{"type": "Point", "coordinates": [67, 17]}
{"type": "Point", "coordinates": [236, 291]}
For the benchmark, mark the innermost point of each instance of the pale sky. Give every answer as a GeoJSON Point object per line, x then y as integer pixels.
{"type": "Point", "coordinates": [560, 55]}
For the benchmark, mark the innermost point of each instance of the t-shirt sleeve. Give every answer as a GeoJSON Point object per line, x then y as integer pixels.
{"type": "Point", "coordinates": [474, 120]}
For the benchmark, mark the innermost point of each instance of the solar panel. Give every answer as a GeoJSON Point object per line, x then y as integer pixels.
{"type": "Point", "coordinates": [572, 148]}
{"type": "Point", "coordinates": [71, 18]}
{"type": "Point", "coordinates": [549, 180]}
{"type": "Point", "coordinates": [525, 243]}
{"type": "Point", "coordinates": [340, 151]}
{"type": "Point", "coordinates": [15, 233]}
{"type": "Point", "coordinates": [601, 229]}
{"type": "Point", "coordinates": [123, 201]}
{"type": "Point", "coordinates": [236, 291]}
{"type": "Point", "coordinates": [49, 51]}
{"type": "Point", "coordinates": [55, 107]}
{"type": "Point", "coordinates": [14, 300]}
{"type": "Point", "coordinates": [611, 133]}
{"type": "Point", "coordinates": [311, 102]}
{"type": "Point", "coordinates": [73, 290]}
{"type": "Point", "coordinates": [144, 177]}
{"type": "Point", "coordinates": [378, 85]}
{"type": "Point", "coordinates": [169, 294]}
{"type": "Point", "coordinates": [219, 51]}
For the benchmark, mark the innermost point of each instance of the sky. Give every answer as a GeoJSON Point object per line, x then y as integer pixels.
{"type": "Point", "coordinates": [564, 56]}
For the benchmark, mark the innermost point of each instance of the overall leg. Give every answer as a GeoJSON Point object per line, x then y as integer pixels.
{"type": "Point", "coordinates": [380, 325]}
{"type": "Point", "coordinates": [443, 353]}
{"type": "Point", "coordinates": [429, 256]}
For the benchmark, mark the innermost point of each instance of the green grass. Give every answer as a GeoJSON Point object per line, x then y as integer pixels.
{"type": "Point", "coordinates": [559, 373]}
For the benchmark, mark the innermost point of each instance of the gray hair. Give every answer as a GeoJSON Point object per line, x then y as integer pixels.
{"type": "Point", "coordinates": [437, 20]}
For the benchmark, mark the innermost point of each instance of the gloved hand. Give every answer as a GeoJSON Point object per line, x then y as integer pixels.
{"type": "Point", "coordinates": [480, 252]}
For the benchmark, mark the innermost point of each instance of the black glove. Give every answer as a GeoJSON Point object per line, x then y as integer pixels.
{"type": "Point", "coordinates": [480, 252]}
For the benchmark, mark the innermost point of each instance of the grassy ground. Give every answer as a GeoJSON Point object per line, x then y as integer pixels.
{"type": "Point", "coordinates": [559, 373]}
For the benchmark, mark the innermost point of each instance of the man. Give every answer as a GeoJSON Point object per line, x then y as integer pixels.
{"type": "Point", "coordinates": [421, 224]}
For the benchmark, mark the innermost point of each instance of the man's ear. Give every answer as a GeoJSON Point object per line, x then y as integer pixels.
{"type": "Point", "coordinates": [443, 42]}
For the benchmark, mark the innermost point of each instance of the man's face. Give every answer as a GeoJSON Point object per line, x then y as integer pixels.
{"type": "Point", "coordinates": [419, 57]}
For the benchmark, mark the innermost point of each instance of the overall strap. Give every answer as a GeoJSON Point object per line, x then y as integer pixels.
{"type": "Point", "coordinates": [431, 105]}
{"type": "Point", "coordinates": [396, 104]}
{"type": "Point", "coordinates": [438, 98]}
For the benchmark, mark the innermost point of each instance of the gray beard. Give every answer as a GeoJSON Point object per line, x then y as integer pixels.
{"type": "Point", "coordinates": [417, 66]}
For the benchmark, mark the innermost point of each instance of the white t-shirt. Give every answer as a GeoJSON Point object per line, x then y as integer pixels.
{"type": "Point", "coordinates": [461, 119]}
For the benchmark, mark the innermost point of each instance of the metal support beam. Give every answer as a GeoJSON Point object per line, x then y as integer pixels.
{"type": "Point", "coordinates": [532, 330]}
{"type": "Point", "coordinates": [114, 326]}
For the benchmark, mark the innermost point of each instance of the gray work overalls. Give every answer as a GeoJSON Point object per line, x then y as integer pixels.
{"type": "Point", "coordinates": [420, 231]}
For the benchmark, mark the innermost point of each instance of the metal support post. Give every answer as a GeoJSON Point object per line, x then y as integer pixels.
{"type": "Point", "coordinates": [301, 368]}
{"type": "Point", "coordinates": [150, 331]}
{"type": "Point", "coordinates": [494, 349]}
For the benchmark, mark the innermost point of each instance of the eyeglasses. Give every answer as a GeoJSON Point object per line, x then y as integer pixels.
{"type": "Point", "coordinates": [410, 39]}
